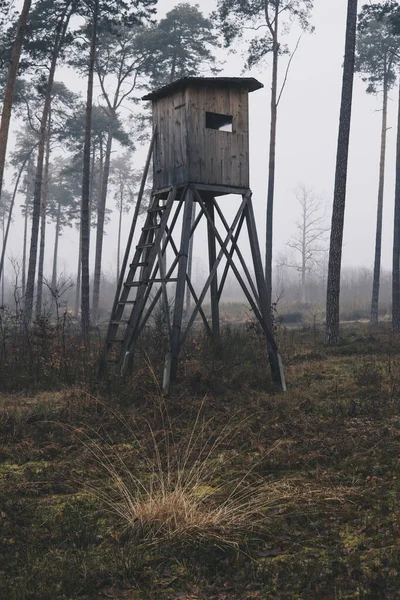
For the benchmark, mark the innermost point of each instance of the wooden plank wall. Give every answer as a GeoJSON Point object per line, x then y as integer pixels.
{"type": "Point", "coordinates": [186, 151]}
{"type": "Point", "coordinates": [218, 157]}
{"type": "Point", "coordinates": [170, 153]}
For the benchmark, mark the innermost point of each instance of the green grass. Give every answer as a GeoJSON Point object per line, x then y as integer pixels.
{"type": "Point", "coordinates": [227, 489]}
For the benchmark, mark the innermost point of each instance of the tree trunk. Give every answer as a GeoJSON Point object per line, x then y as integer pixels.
{"type": "Point", "coordinates": [30, 285]}
{"type": "Point", "coordinates": [10, 85]}
{"type": "Point", "coordinates": [303, 258]}
{"type": "Point", "coordinates": [79, 270]}
{"type": "Point", "coordinates": [78, 278]}
{"type": "Point", "coordinates": [396, 238]}
{"type": "Point", "coordinates": [85, 204]}
{"type": "Point", "coordinates": [101, 212]}
{"type": "Point", "coordinates": [55, 255]}
{"type": "Point", "coordinates": [27, 199]}
{"type": "Point", "coordinates": [2, 279]}
{"type": "Point", "coordinates": [119, 238]}
{"type": "Point", "coordinates": [379, 216]}
{"type": "Point", "coordinates": [10, 212]}
{"type": "Point", "coordinates": [271, 164]}
{"type": "Point", "coordinates": [339, 199]}
{"type": "Point", "coordinates": [43, 215]}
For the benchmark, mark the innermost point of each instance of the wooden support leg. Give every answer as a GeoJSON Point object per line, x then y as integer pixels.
{"type": "Point", "coordinates": [274, 358]}
{"type": "Point", "coordinates": [212, 257]}
{"type": "Point", "coordinates": [190, 264]}
{"type": "Point", "coordinates": [172, 366]}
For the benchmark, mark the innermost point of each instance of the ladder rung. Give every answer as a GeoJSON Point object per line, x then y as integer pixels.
{"type": "Point", "coordinates": [121, 322]}
{"type": "Point", "coordinates": [146, 281]}
{"type": "Point", "coordinates": [138, 264]}
{"type": "Point", "coordinates": [150, 227]}
{"type": "Point", "coordinates": [126, 302]}
{"type": "Point", "coordinates": [173, 280]}
{"type": "Point", "coordinates": [143, 246]}
{"type": "Point", "coordinates": [157, 208]}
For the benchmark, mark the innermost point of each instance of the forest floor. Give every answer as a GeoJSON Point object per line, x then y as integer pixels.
{"type": "Point", "coordinates": [228, 489]}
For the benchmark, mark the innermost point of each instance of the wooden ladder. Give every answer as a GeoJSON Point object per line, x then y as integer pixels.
{"type": "Point", "coordinates": [131, 296]}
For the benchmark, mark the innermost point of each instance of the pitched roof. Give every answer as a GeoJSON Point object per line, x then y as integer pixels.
{"type": "Point", "coordinates": [249, 83]}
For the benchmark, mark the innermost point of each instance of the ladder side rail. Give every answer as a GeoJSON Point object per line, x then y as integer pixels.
{"type": "Point", "coordinates": [135, 218]}
{"type": "Point", "coordinates": [147, 271]}
{"type": "Point", "coordinates": [132, 231]}
{"type": "Point", "coordinates": [122, 298]}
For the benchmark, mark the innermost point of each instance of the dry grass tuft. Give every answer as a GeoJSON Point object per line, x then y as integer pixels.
{"type": "Point", "coordinates": [188, 494]}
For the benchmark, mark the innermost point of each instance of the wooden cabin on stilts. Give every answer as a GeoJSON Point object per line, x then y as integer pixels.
{"type": "Point", "coordinates": [200, 152]}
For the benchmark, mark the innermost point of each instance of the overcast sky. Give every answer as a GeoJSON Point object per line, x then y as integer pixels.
{"type": "Point", "coordinates": [306, 149]}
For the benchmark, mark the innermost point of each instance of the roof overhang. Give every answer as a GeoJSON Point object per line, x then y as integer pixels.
{"type": "Point", "coordinates": [248, 83]}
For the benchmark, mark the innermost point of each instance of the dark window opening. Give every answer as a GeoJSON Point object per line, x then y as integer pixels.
{"type": "Point", "coordinates": [219, 122]}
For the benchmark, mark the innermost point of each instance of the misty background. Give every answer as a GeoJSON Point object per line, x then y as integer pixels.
{"type": "Point", "coordinates": [306, 148]}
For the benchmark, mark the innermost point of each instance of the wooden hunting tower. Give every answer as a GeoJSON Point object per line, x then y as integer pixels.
{"type": "Point", "coordinates": [202, 132]}
{"type": "Point", "coordinates": [200, 151]}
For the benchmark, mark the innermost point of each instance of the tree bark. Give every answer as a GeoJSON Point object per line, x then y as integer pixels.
{"type": "Point", "coordinates": [30, 285]}
{"type": "Point", "coordinates": [27, 199]}
{"type": "Point", "coordinates": [272, 161]}
{"type": "Point", "coordinates": [303, 257]}
{"type": "Point", "coordinates": [3, 226]}
{"type": "Point", "coordinates": [85, 208]}
{"type": "Point", "coordinates": [379, 216]}
{"type": "Point", "coordinates": [190, 264]}
{"type": "Point", "coordinates": [43, 215]}
{"type": "Point", "coordinates": [78, 278]}
{"type": "Point", "coordinates": [10, 213]}
{"type": "Point", "coordinates": [396, 238]}
{"type": "Point", "coordinates": [119, 237]}
{"type": "Point", "coordinates": [332, 334]}
{"type": "Point", "coordinates": [10, 85]}
{"type": "Point", "coordinates": [101, 213]}
{"type": "Point", "coordinates": [55, 254]}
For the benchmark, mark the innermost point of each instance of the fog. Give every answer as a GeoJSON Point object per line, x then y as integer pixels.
{"type": "Point", "coordinates": [306, 147]}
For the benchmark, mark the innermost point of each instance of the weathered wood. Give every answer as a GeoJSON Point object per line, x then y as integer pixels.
{"type": "Point", "coordinates": [274, 358]}
{"type": "Point", "coordinates": [223, 250]}
{"type": "Point", "coordinates": [212, 257]}
{"type": "Point", "coordinates": [180, 286]}
{"type": "Point", "coordinates": [118, 308]}
{"type": "Point", "coordinates": [236, 248]}
{"type": "Point", "coordinates": [127, 350]}
{"type": "Point", "coordinates": [188, 151]}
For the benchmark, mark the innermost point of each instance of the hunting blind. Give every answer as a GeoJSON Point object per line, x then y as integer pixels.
{"type": "Point", "coordinates": [200, 152]}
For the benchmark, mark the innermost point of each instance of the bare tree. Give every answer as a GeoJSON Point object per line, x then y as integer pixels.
{"type": "Point", "coordinates": [307, 243]}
